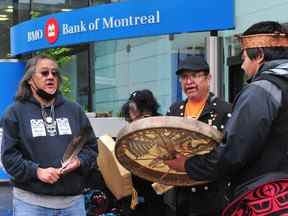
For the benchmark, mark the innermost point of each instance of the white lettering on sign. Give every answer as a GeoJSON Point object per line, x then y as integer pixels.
{"type": "Point", "coordinates": [112, 22]}
{"type": "Point", "coordinates": [94, 26]}
{"type": "Point", "coordinates": [72, 29]}
{"type": "Point", "coordinates": [35, 35]}
{"type": "Point", "coordinates": [98, 23]}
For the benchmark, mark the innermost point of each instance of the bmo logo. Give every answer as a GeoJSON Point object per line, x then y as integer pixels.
{"type": "Point", "coordinates": [51, 30]}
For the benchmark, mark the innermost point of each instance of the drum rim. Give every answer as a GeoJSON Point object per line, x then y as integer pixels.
{"type": "Point", "coordinates": [169, 121]}
{"type": "Point", "coordinates": [175, 179]}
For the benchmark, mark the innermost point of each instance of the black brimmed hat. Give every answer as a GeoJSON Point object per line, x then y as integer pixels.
{"type": "Point", "coordinates": [193, 63]}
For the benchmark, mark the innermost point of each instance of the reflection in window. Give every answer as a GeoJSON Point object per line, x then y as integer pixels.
{"type": "Point", "coordinates": [6, 21]}
{"type": "Point", "coordinates": [123, 66]}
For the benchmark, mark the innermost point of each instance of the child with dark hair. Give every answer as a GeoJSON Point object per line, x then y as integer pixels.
{"type": "Point", "coordinates": [141, 104]}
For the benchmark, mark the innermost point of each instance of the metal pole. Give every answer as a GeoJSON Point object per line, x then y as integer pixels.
{"type": "Point", "coordinates": [90, 90]}
{"type": "Point", "coordinates": [215, 59]}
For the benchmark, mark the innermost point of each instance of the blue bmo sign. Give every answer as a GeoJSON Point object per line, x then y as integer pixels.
{"type": "Point", "coordinates": [11, 72]}
{"type": "Point", "coordinates": [121, 20]}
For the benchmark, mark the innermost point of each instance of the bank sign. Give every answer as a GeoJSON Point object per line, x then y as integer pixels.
{"type": "Point", "coordinates": [134, 18]}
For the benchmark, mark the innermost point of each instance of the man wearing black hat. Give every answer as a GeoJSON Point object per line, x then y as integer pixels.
{"type": "Point", "coordinates": [203, 105]}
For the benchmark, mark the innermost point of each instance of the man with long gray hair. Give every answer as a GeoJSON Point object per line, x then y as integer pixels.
{"type": "Point", "coordinates": [37, 129]}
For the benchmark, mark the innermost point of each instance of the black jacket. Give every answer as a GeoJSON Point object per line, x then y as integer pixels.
{"type": "Point", "coordinates": [25, 147]}
{"type": "Point", "coordinates": [205, 199]}
{"type": "Point", "coordinates": [215, 113]}
{"type": "Point", "coordinates": [255, 143]}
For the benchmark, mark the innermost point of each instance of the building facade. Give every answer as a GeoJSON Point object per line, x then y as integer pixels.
{"type": "Point", "coordinates": [102, 74]}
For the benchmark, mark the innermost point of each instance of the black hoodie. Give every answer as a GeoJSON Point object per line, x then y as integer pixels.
{"type": "Point", "coordinates": [26, 146]}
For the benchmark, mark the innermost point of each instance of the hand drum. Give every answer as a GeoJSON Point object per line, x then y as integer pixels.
{"type": "Point", "coordinates": [143, 146]}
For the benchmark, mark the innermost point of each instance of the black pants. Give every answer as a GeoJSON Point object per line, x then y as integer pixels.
{"type": "Point", "coordinates": [200, 203]}
{"type": "Point", "coordinates": [152, 203]}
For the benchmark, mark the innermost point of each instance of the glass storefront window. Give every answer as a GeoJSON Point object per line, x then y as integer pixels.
{"type": "Point", "coordinates": [97, 2]}
{"type": "Point", "coordinates": [236, 76]}
{"type": "Point", "coordinates": [123, 66]}
{"type": "Point", "coordinates": [6, 21]}
{"type": "Point", "coordinates": [43, 7]}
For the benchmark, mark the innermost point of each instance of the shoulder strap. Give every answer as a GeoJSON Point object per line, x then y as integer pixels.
{"type": "Point", "coordinates": [280, 82]}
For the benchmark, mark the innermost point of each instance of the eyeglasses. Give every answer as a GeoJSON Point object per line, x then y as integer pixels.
{"type": "Point", "coordinates": [45, 73]}
{"type": "Point", "coordinates": [192, 76]}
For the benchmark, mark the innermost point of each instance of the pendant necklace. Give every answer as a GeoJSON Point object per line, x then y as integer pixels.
{"type": "Point", "coordinates": [49, 120]}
